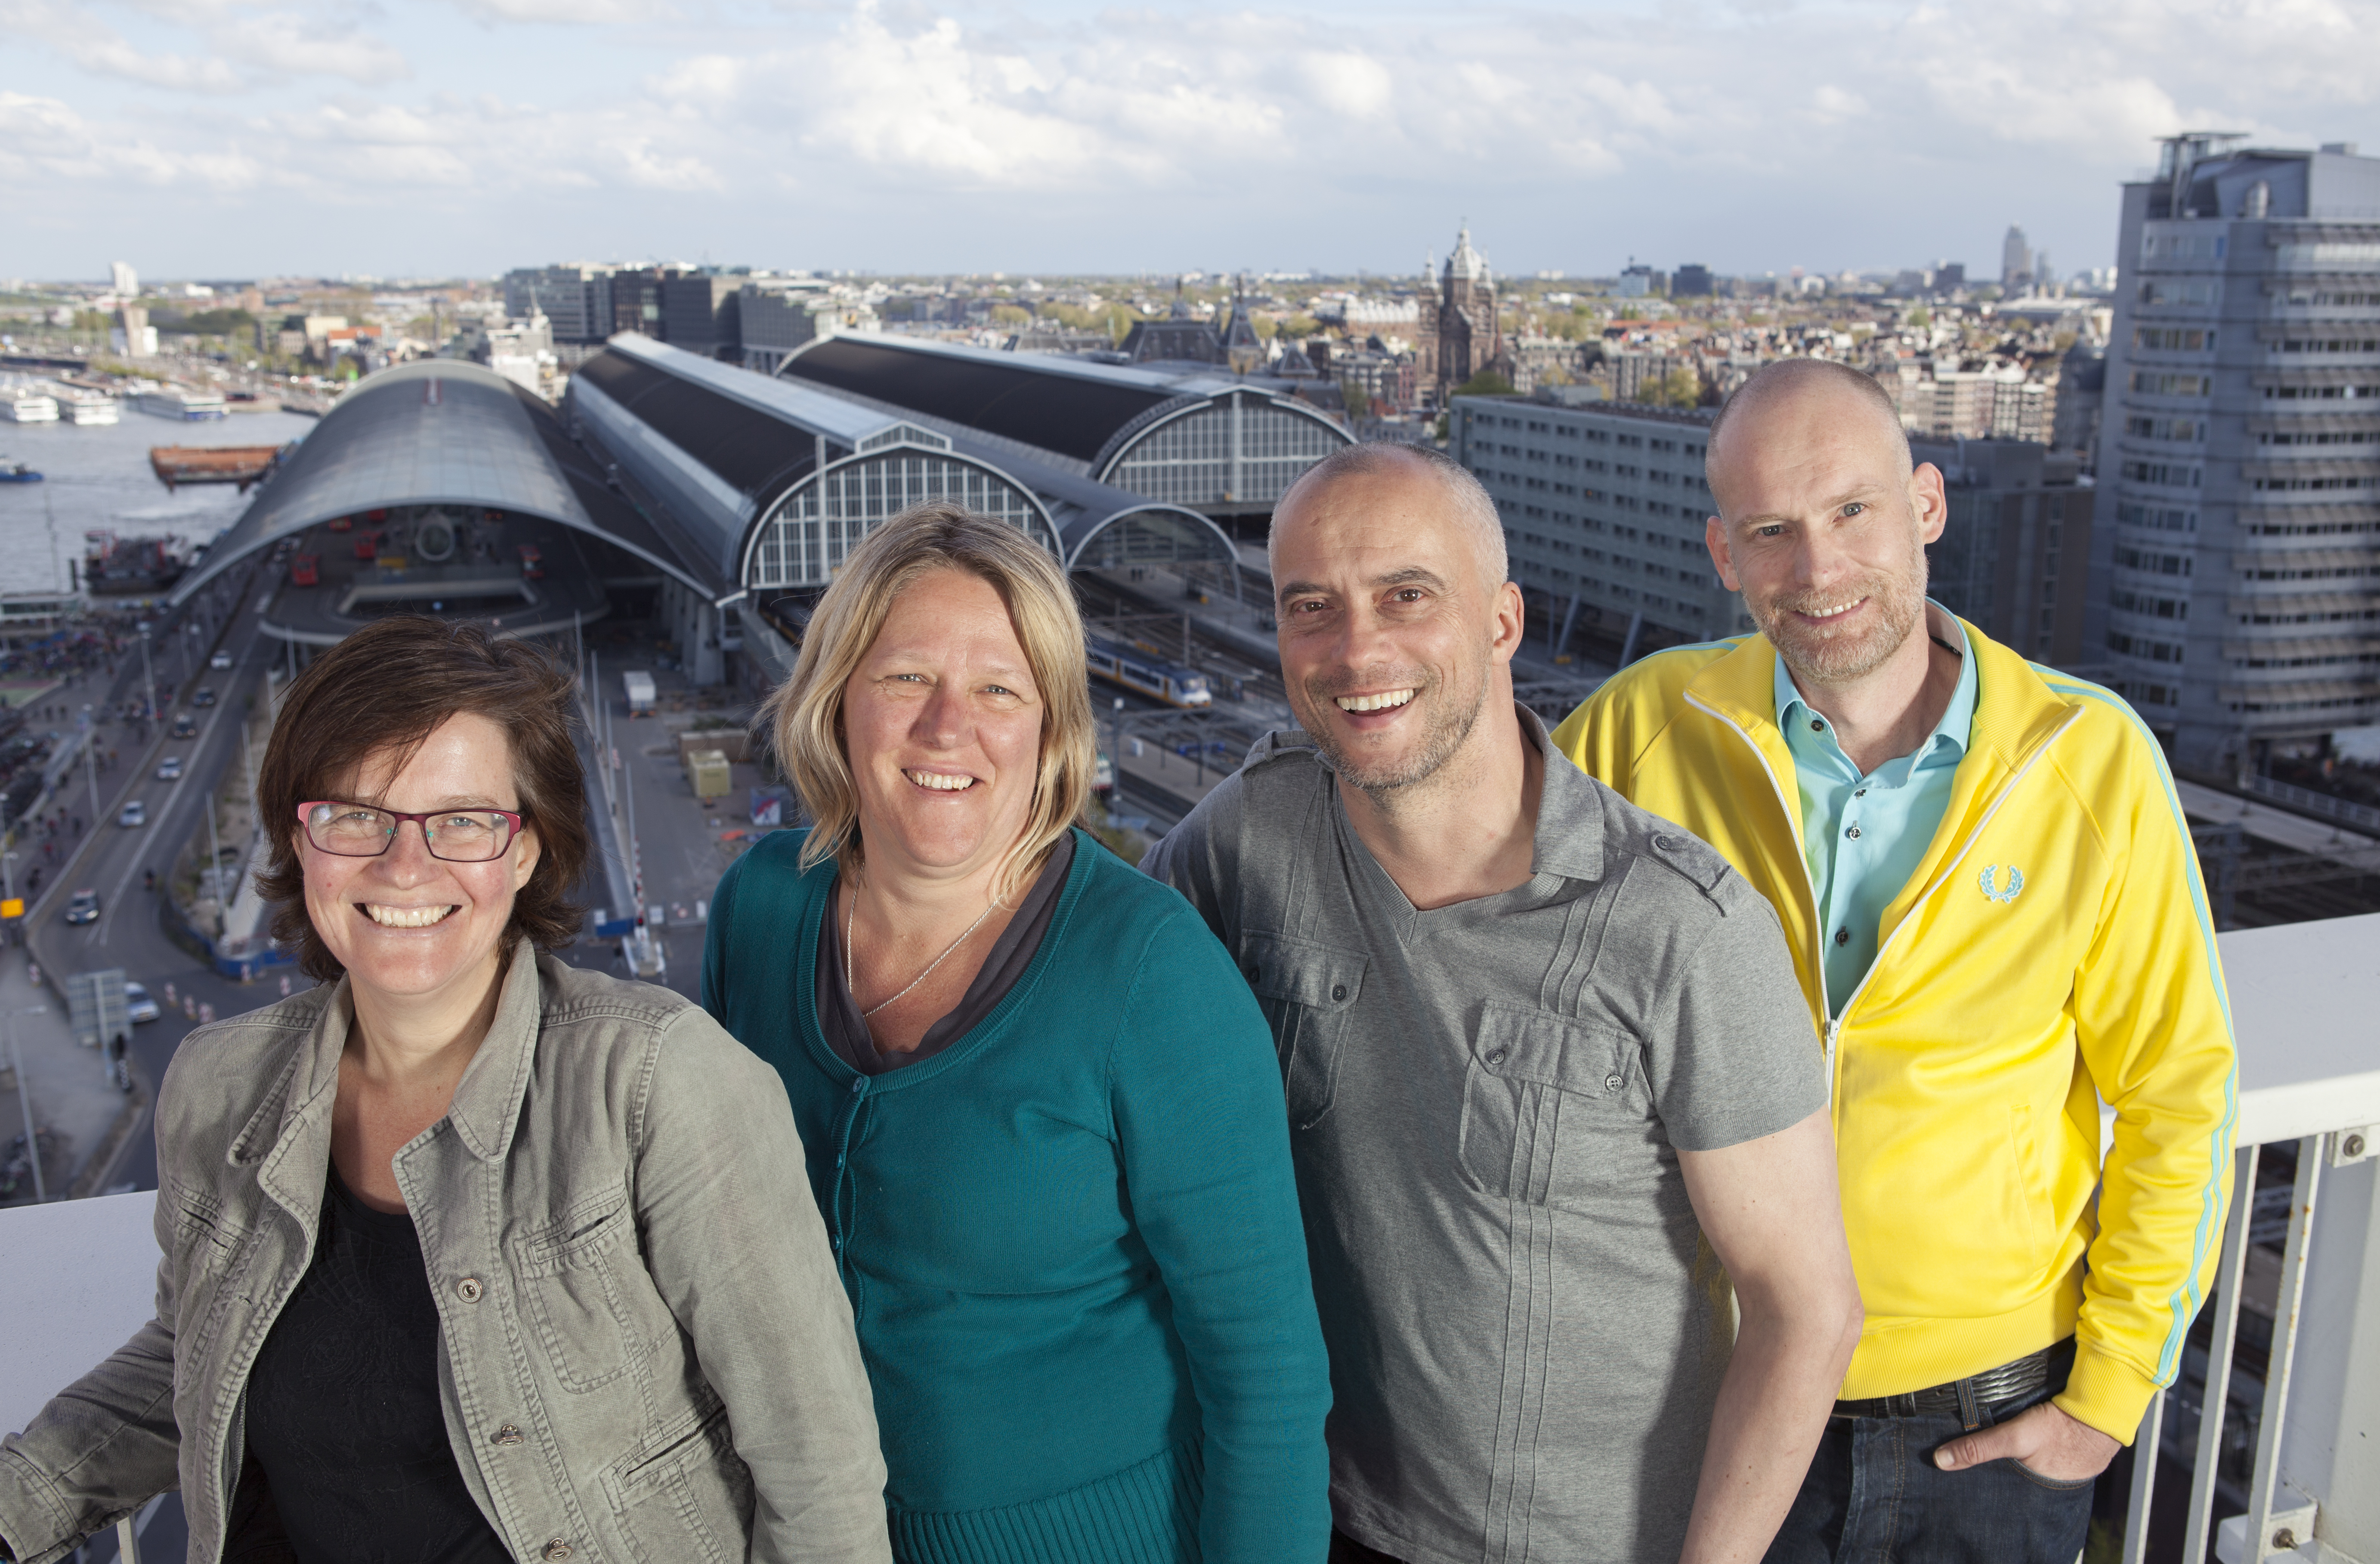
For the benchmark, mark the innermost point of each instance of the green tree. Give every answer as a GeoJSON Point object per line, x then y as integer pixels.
{"type": "Point", "coordinates": [1359, 403]}
{"type": "Point", "coordinates": [1678, 388]}
{"type": "Point", "coordinates": [1486, 383]}
{"type": "Point", "coordinates": [1011, 315]}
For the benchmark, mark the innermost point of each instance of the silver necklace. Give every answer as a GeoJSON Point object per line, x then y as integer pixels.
{"type": "Point", "coordinates": [850, 908]}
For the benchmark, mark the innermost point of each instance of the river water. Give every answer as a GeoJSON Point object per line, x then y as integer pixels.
{"type": "Point", "coordinates": [98, 477]}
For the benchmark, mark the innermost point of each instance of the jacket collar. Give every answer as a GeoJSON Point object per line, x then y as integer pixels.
{"type": "Point", "coordinates": [2015, 709]}
{"type": "Point", "coordinates": [2016, 712]}
{"type": "Point", "coordinates": [289, 1135]}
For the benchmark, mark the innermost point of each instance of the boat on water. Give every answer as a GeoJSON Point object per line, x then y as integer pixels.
{"type": "Point", "coordinates": [79, 406]}
{"type": "Point", "coordinates": [17, 472]}
{"type": "Point", "coordinates": [27, 405]}
{"type": "Point", "coordinates": [180, 402]}
{"type": "Point", "coordinates": [243, 464]}
{"type": "Point", "coordinates": [118, 566]}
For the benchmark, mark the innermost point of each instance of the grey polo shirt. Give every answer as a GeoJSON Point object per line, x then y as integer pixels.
{"type": "Point", "coordinates": [1527, 1329]}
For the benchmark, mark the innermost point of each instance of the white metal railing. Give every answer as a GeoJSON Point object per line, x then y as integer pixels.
{"type": "Point", "coordinates": [2306, 1001]}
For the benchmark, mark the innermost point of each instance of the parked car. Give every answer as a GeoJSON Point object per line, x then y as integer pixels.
{"type": "Point", "coordinates": [203, 696]}
{"type": "Point", "coordinates": [133, 814]}
{"type": "Point", "coordinates": [170, 768]}
{"type": "Point", "coordinates": [83, 907]}
{"type": "Point", "coordinates": [186, 726]}
{"type": "Point", "coordinates": [137, 1006]}
{"type": "Point", "coordinates": [219, 661]}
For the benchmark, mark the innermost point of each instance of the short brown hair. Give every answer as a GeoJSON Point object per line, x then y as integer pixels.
{"type": "Point", "coordinates": [805, 713]}
{"type": "Point", "coordinates": [388, 688]}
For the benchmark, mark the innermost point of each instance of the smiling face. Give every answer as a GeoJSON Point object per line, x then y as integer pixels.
{"type": "Point", "coordinates": [942, 721]}
{"type": "Point", "coordinates": [407, 925]}
{"type": "Point", "coordinates": [1391, 632]}
{"type": "Point", "coordinates": [1823, 528]}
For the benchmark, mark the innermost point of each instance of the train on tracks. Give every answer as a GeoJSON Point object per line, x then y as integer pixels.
{"type": "Point", "coordinates": [1136, 671]}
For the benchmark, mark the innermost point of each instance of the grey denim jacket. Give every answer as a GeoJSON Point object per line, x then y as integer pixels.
{"type": "Point", "coordinates": [646, 1354]}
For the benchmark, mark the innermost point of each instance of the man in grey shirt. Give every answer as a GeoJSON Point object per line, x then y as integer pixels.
{"type": "Point", "coordinates": [1556, 1105]}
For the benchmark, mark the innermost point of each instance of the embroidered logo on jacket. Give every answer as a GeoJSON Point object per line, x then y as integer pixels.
{"type": "Point", "coordinates": [2005, 889]}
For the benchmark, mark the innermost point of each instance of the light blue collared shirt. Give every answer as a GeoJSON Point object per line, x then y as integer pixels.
{"type": "Point", "coordinates": [1863, 836]}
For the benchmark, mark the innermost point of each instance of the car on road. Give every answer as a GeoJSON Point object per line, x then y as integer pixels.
{"type": "Point", "coordinates": [83, 907]}
{"type": "Point", "coordinates": [203, 696]}
{"type": "Point", "coordinates": [306, 570]}
{"type": "Point", "coordinates": [133, 814]}
{"type": "Point", "coordinates": [170, 768]}
{"type": "Point", "coordinates": [186, 726]}
{"type": "Point", "coordinates": [137, 1006]}
{"type": "Point", "coordinates": [219, 661]}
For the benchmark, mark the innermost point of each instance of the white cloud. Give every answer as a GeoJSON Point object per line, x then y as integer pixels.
{"type": "Point", "coordinates": [1630, 125]}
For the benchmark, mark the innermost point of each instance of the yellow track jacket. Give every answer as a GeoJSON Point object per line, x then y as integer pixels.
{"type": "Point", "coordinates": [2054, 950]}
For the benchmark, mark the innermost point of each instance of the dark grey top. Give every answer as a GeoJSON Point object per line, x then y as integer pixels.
{"type": "Point", "coordinates": [1526, 1327]}
{"type": "Point", "coordinates": [846, 1029]}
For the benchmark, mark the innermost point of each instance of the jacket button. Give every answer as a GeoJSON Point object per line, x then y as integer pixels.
{"type": "Point", "coordinates": [1495, 1056]}
{"type": "Point", "coordinates": [469, 1290]}
{"type": "Point", "coordinates": [1338, 990]}
{"type": "Point", "coordinates": [1611, 1082]}
{"type": "Point", "coordinates": [1252, 969]}
{"type": "Point", "coordinates": [508, 1435]}
{"type": "Point", "coordinates": [1666, 843]}
{"type": "Point", "coordinates": [556, 1551]}
{"type": "Point", "coordinates": [1852, 833]}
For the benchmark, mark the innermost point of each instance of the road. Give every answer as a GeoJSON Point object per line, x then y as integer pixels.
{"type": "Point", "coordinates": [131, 932]}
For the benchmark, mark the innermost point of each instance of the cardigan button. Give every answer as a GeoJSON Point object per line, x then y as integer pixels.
{"type": "Point", "coordinates": [859, 1085]}
{"type": "Point", "coordinates": [469, 1290]}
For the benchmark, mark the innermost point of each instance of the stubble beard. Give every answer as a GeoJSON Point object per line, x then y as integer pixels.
{"type": "Point", "coordinates": [1449, 719]}
{"type": "Point", "coordinates": [1824, 657]}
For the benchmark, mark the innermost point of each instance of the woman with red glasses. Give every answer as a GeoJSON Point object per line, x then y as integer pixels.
{"type": "Point", "coordinates": [470, 1257]}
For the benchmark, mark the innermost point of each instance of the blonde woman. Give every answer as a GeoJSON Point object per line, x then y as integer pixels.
{"type": "Point", "coordinates": [1042, 1117]}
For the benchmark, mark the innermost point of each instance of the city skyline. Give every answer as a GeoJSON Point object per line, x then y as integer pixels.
{"type": "Point", "coordinates": [454, 138]}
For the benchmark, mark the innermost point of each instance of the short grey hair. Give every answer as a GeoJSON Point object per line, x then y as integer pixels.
{"type": "Point", "coordinates": [1784, 376]}
{"type": "Point", "coordinates": [1473, 504]}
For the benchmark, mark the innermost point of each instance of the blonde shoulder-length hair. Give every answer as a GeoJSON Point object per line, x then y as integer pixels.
{"type": "Point", "coordinates": [805, 714]}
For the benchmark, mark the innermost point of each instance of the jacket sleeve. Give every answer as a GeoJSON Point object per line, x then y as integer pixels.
{"type": "Point", "coordinates": [2152, 1020]}
{"type": "Point", "coordinates": [1205, 1145]}
{"type": "Point", "coordinates": [1592, 736]}
{"type": "Point", "coordinates": [735, 1245]}
{"type": "Point", "coordinates": [104, 1445]}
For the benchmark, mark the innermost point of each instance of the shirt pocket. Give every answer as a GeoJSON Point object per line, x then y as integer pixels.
{"type": "Point", "coordinates": [1306, 990]}
{"type": "Point", "coordinates": [1555, 1108]}
{"type": "Point", "coordinates": [581, 1281]}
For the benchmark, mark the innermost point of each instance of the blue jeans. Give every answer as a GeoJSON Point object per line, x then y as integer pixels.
{"type": "Point", "coordinates": [1873, 1495]}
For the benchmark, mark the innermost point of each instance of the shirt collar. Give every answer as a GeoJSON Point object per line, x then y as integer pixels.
{"type": "Point", "coordinates": [1952, 735]}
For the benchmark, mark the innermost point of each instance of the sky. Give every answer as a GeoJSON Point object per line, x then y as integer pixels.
{"type": "Point", "coordinates": [229, 138]}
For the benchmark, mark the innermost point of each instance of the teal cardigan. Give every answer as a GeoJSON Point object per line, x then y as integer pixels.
{"type": "Point", "coordinates": [1071, 1238]}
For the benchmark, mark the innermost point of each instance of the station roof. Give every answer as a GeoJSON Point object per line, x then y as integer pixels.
{"type": "Point", "coordinates": [438, 432]}
{"type": "Point", "coordinates": [758, 436]}
{"type": "Point", "coordinates": [1070, 406]}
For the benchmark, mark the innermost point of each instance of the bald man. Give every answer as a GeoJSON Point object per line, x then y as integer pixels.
{"type": "Point", "coordinates": [1550, 1089]}
{"type": "Point", "coordinates": [1997, 918]}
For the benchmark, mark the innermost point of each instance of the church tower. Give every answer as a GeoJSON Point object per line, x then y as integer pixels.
{"type": "Point", "coordinates": [1458, 333]}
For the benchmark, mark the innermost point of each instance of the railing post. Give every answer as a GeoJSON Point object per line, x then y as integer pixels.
{"type": "Point", "coordinates": [2216, 1399]}
{"type": "Point", "coordinates": [2145, 1451]}
{"type": "Point", "coordinates": [2264, 1479]}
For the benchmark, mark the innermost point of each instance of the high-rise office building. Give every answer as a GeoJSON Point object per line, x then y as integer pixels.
{"type": "Point", "coordinates": [576, 299]}
{"type": "Point", "coordinates": [2240, 455]}
{"type": "Point", "coordinates": [123, 281]}
{"type": "Point", "coordinates": [2016, 262]}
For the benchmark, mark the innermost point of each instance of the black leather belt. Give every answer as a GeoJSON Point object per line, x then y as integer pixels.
{"type": "Point", "coordinates": [1968, 1398]}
